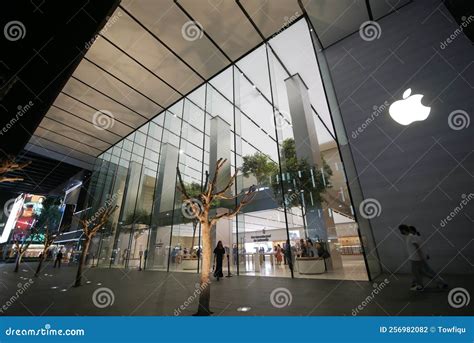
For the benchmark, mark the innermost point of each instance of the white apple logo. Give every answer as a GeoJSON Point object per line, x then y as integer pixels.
{"type": "Point", "coordinates": [409, 109]}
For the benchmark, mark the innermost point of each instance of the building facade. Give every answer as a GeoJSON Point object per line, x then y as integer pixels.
{"type": "Point", "coordinates": [268, 115]}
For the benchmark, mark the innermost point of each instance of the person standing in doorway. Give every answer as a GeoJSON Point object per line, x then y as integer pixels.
{"type": "Point", "coordinates": [419, 265]}
{"type": "Point", "coordinates": [289, 254]}
{"type": "Point", "coordinates": [219, 253]}
{"type": "Point", "coordinates": [235, 252]}
{"type": "Point", "coordinates": [57, 261]}
{"type": "Point", "coordinates": [278, 254]}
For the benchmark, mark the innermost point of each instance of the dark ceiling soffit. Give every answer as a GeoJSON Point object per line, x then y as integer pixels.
{"type": "Point", "coordinates": [15, 139]}
{"type": "Point", "coordinates": [369, 14]}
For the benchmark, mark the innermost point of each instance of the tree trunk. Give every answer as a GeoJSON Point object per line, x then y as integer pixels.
{"type": "Point", "coordinates": [82, 262]}
{"type": "Point", "coordinates": [205, 295]}
{"type": "Point", "coordinates": [38, 269]}
{"type": "Point", "coordinates": [17, 262]}
{"type": "Point", "coordinates": [43, 257]}
{"type": "Point", "coordinates": [195, 224]}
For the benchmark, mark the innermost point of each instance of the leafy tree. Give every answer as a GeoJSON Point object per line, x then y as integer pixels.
{"type": "Point", "coordinates": [261, 167]}
{"type": "Point", "coordinates": [298, 175]}
{"type": "Point", "coordinates": [140, 216]}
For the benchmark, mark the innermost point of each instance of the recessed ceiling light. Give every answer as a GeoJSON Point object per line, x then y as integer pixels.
{"type": "Point", "coordinates": [243, 309]}
{"type": "Point", "coordinates": [54, 287]}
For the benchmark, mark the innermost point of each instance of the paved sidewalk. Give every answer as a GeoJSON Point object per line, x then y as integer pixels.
{"type": "Point", "coordinates": [158, 293]}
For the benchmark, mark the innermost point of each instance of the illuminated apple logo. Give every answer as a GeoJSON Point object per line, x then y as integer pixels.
{"type": "Point", "coordinates": [409, 109]}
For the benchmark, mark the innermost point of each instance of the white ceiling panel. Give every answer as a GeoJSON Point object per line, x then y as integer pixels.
{"type": "Point", "coordinates": [152, 52]}
{"type": "Point", "coordinates": [126, 69]}
{"type": "Point", "coordinates": [272, 16]}
{"type": "Point", "coordinates": [95, 77]}
{"type": "Point", "coordinates": [80, 124]}
{"type": "Point", "coordinates": [101, 103]}
{"type": "Point", "coordinates": [74, 134]}
{"type": "Point", "coordinates": [87, 113]}
{"type": "Point", "coordinates": [220, 20]}
{"type": "Point", "coordinates": [144, 48]}
{"type": "Point", "coordinates": [166, 21]}
{"type": "Point", "coordinates": [65, 152]}
{"type": "Point", "coordinates": [69, 144]}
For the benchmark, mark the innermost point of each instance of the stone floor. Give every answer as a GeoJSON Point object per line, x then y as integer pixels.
{"type": "Point", "coordinates": [160, 293]}
{"type": "Point", "coordinates": [353, 268]}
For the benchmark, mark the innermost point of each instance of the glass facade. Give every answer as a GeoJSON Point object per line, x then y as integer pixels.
{"type": "Point", "coordinates": [268, 115]}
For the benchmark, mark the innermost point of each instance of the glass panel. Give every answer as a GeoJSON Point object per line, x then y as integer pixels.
{"type": "Point", "coordinates": [185, 231]}
{"type": "Point", "coordinates": [261, 228]}
{"type": "Point", "coordinates": [272, 126]}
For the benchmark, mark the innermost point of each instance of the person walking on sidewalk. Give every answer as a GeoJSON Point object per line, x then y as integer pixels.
{"type": "Point", "coordinates": [57, 261]}
{"type": "Point", "coordinates": [219, 253]}
{"type": "Point", "coordinates": [419, 265]}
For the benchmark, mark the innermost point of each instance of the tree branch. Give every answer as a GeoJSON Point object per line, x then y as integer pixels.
{"type": "Point", "coordinates": [181, 186]}
{"type": "Point", "coordinates": [221, 193]}
{"type": "Point", "coordinates": [247, 198]}
{"type": "Point", "coordinates": [205, 182]}
{"type": "Point", "coordinates": [10, 179]}
{"type": "Point", "coordinates": [9, 165]}
{"type": "Point", "coordinates": [220, 162]}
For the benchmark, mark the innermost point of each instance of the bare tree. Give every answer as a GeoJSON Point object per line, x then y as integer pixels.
{"type": "Point", "coordinates": [47, 226]}
{"type": "Point", "coordinates": [8, 165]}
{"type": "Point", "coordinates": [90, 227]}
{"type": "Point", "coordinates": [22, 245]}
{"type": "Point", "coordinates": [201, 208]}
